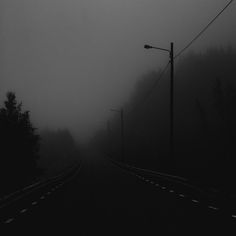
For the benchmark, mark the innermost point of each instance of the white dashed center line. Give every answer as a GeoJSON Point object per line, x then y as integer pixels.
{"type": "Point", "coordinates": [213, 208]}
{"type": "Point", "coordinates": [234, 216]}
{"type": "Point", "coordinates": [23, 210]}
{"type": "Point", "coordinates": [9, 221]}
{"type": "Point", "coordinates": [196, 201]}
{"type": "Point", "coordinates": [34, 203]}
{"type": "Point", "coordinates": [157, 185]}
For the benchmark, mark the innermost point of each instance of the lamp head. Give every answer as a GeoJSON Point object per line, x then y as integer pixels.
{"type": "Point", "coordinates": [146, 46]}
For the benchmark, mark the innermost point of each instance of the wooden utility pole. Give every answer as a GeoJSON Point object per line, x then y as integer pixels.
{"type": "Point", "coordinates": [122, 135]}
{"type": "Point", "coordinates": [121, 111]}
{"type": "Point", "coordinates": [171, 53]}
{"type": "Point", "coordinates": [109, 137]}
{"type": "Point", "coordinates": [172, 101]}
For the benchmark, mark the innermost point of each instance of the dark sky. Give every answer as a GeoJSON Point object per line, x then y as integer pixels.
{"type": "Point", "coordinates": [70, 61]}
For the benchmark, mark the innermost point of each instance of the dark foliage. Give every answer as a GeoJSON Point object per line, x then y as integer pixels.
{"type": "Point", "coordinates": [19, 145]}
{"type": "Point", "coordinates": [204, 120]}
{"type": "Point", "coordinates": [58, 150]}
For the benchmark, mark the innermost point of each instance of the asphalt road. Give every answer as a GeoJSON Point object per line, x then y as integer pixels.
{"type": "Point", "coordinates": [105, 200]}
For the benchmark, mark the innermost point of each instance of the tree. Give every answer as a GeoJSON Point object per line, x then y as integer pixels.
{"type": "Point", "coordinates": [19, 144]}
{"type": "Point", "coordinates": [225, 103]}
{"type": "Point", "coordinates": [202, 114]}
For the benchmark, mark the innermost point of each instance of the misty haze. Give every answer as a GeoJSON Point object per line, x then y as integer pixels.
{"type": "Point", "coordinates": [118, 117]}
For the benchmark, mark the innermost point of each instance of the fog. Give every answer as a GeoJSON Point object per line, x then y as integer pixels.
{"type": "Point", "coordinates": [70, 62]}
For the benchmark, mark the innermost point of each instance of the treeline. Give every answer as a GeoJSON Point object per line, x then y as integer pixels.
{"type": "Point", "coordinates": [27, 155]}
{"type": "Point", "coordinates": [20, 144]}
{"type": "Point", "coordinates": [58, 151]}
{"type": "Point", "coordinates": [204, 120]}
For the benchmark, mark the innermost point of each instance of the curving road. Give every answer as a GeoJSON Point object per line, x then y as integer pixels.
{"type": "Point", "coordinates": [105, 200]}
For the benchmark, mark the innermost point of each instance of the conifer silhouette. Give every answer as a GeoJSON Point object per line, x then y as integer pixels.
{"type": "Point", "coordinates": [19, 145]}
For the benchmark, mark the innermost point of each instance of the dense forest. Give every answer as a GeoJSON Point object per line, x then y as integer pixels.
{"type": "Point", "coordinates": [58, 151]}
{"type": "Point", "coordinates": [28, 155]}
{"type": "Point", "coordinates": [20, 144]}
{"type": "Point", "coordinates": [204, 120]}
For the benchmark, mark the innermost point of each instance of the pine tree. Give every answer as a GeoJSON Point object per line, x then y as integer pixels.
{"type": "Point", "coordinates": [19, 144]}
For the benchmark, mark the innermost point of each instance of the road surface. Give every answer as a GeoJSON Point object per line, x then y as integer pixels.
{"type": "Point", "coordinates": [105, 200]}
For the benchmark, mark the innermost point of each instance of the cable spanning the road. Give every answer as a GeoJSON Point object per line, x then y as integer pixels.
{"type": "Point", "coordinates": [157, 81]}
{"type": "Point", "coordinates": [203, 30]}
{"type": "Point", "coordinates": [184, 49]}
{"type": "Point", "coordinates": [180, 53]}
{"type": "Point", "coordinates": [153, 86]}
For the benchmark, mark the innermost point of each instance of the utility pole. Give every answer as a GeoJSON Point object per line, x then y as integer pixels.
{"type": "Point", "coordinates": [109, 137]}
{"type": "Point", "coordinates": [122, 135]}
{"type": "Point", "coordinates": [121, 111]}
{"type": "Point", "coordinates": [172, 101]}
{"type": "Point", "coordinates": [171, 54]}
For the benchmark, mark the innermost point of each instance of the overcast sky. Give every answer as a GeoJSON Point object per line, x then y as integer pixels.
{"type": "Point", "coordinates": [70, 61]}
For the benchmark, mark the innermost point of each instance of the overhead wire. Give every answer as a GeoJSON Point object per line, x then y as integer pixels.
{"type": "Point", "coordinates": [203, 30]}
{"type": "Point", "coordinates": [149, 92]}
{"type": "Point", "coordinates": [182, 51]}
{"type": "Point", "coordinates": [147, 95]}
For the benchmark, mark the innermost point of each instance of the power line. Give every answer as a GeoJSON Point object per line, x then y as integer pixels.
{"type": "Point", "coordinates": [203, 30]}
{"type": "Point", "coordinates": [153, 86]}
{"type": "Point", "coordinates": [182, 51]}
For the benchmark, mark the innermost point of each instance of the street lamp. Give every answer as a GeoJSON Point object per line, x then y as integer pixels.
{"type": "Point", "coordinates": [146, 46]}
{"type": "Point", "coordinates": [171, 54]}
{"type": "Point", "coordinates": [121, 111]}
